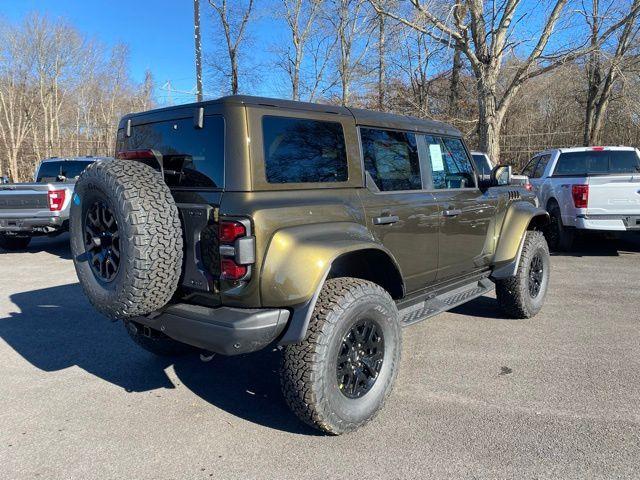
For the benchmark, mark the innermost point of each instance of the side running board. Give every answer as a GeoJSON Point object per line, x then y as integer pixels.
{"type": "Point", "coordinates": [445, 301]}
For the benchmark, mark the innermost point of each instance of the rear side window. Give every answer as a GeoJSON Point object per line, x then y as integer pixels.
{"type": "Point", "coordinates": [391, 158]}
{"type": "Point", "coordinates": [298, 150]}
{"type": "Point", "coordinates": [450, 164]}
{"type": "Point", "coordinates": [596, 162]}
{"type": "Point", "coordinates": [69, 171]}
{"type": "Point", "coordinates": [192, 157]}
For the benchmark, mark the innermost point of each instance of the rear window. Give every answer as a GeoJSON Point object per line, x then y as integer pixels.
{"type": "Point", "coordinates": [192, 157]}
{"type": "Point", "coordinates": [62, 171]}
{"type": "Point", "coordinates": [303, 151]}
{"type": "Point", "coordinates": [594, 162]}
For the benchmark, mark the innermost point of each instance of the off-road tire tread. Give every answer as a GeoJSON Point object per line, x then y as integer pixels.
{"type": "Point", "coordinates": [153, 229]}
{"type": "Point", "coordinates": [511, 292]}
{"type": "Point", "coordinates": [303, 363]}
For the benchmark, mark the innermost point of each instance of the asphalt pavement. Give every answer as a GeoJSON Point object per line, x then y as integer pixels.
{"type": "Point", "coordinates": [478, 395]}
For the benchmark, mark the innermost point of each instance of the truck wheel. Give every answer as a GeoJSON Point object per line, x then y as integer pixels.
{"type": "Point", "coordinates": [559, 237]}
{"type": "Point", "coordinates": [126, 238]}
{"type": "Point", "coordinates": [14, 242]}
{"type": "Point", "coordinates": [522, 295]}
{"type": "Point", "coordinates": [156, 342]}
{"type": "Point", "coordinates": [339, 377]}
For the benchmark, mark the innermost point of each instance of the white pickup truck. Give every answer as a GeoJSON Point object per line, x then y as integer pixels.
{"type": "Point", "coordinates": [42, 207]}
{"type": "Point", "coordinates": [588, 188]}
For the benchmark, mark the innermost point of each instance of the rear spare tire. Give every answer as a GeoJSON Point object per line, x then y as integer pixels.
{"type": "Point", "coordinates": [126, 238]}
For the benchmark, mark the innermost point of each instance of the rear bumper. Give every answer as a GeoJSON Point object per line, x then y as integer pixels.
{"type": "Point", "coordinates": [32, 224]}
{"type": "Point", "coordinates": [224, 330]}
{"type": "Point", "coordinates": [617, 223]}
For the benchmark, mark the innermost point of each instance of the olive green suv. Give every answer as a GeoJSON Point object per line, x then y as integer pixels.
{"type": "Point", "coordinates": [231, 225]}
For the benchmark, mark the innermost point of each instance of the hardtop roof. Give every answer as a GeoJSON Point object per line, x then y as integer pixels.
{"type": "Point", "coordinates": [361, 116]}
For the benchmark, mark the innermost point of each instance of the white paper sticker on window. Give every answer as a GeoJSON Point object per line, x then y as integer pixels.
{"type": "Point", "coordinates": [435, 153]}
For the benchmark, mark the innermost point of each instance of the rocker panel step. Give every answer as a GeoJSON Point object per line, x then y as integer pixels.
{"type": "Point", "coordinates": [445, 301]}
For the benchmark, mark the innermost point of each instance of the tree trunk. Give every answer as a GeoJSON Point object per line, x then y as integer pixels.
{"type": "Point", "coordinates": [381, 61]}
{"type": "Point", "coordinates": [489, 118]}
{"type": "Point", "coordinates": [454, 88]}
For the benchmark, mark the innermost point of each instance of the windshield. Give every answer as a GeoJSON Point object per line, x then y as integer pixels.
{"type": "Point", "coordinates": [191, 157]}
{"type": "Point", "coordinates": [62, 171]}
{"type": "Point", "coordinates": [594, 162]}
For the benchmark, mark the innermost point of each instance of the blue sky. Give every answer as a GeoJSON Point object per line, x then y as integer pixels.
{"type": "Point", "coordinates": [159, 34]}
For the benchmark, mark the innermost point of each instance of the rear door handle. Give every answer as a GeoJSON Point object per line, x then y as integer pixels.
{"type": "Point", "coordinates": [451, 213]}
{"type": "Point", "coordinates": [388, 220]}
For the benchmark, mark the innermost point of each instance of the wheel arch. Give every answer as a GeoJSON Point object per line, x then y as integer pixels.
{"type": "Point", "coordinates": [299, 260]}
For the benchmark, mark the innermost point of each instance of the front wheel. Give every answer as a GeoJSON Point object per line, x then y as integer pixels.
{"type": "Point", "coordinates": [339, 377]}
{"type": "Point", "coordinates": [13, 243]}
{"type": "Point", "coordinates": [522, 295]}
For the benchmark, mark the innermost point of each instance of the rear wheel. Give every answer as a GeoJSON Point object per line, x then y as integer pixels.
{"type": "Point", "coordinates": [522, 295]}
{"type": "Point", "coordinates": [338, 378]}
{"type": "Point", "coordinates": [14, 242]}
{"type": "Point", "coordinates": [559, 237]}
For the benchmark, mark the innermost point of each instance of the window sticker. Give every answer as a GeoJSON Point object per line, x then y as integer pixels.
{"type": "Point", "coordinates": [435, 153]}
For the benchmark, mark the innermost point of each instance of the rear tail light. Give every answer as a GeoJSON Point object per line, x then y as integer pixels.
{"type": "Point", "coordinates": [230, 231]}
{"type": "Point", "coordinates": [56, 200]}
{"type": "Point", "coordinates": [237, 249]}
{"type": "Point", "coordinates": [580, 194]}
{"type": "Point", "coordinates": [230, 270]}
{"type": "Point", "coordinates": [597, 149]}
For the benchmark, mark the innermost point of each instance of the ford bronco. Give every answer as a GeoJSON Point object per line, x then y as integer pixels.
{"type": "Point", "coordinates": [231, 225]}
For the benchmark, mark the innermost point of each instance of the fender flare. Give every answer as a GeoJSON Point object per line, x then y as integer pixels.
{"type": "Point", "coordinates": [298, 261]}
{"type": "Point", "coordinates": [517, 221]}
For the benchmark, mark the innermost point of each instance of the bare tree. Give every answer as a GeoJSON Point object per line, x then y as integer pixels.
{"type": "Point", "coordinates": [351, 26]}
{"type": "Point", "coordinates": [234, 23]}
{"type": "Point", "coordinates": [601, 78]}
{"type": "Point", "coordinates": [484, 37]}
{"type": "Point", "coordinates": [300, 17]}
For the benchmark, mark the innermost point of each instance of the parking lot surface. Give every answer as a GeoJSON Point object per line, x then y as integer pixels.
{"type": "Point", "coordinates": [478, 395]}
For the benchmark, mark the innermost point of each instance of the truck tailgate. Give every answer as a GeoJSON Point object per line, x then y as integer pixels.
{"type": "Point", "coordinates": [15, 199]}
{"type": "Point", "coordinates": [614, 195]}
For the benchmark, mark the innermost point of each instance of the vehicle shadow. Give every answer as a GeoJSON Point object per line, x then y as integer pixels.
{"type": "Point", "coordinates": [481, 307]}
{"type": "Point", "coordinates": [58, 245]}
{"type": "Point", "coordinates": [595, 244]}
{"type": "Point", "coordinates": [56, 328]}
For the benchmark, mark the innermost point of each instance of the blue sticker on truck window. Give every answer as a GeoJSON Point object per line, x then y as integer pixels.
{"type": "Point", "coordinates": [76, 199]}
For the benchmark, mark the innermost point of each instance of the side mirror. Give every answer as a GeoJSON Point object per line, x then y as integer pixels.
{"type": "Point", "coordinates": [501, 175]}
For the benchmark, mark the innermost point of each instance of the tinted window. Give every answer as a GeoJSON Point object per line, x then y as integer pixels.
{"type": "Point", "coordinates": [52, 171]}
{"type": "Point", "coordinates": [530, 167]}
{"type": "Point", "coordinates": [598, 163]}
{"type": "Point", "coordinates": [192, 157]}
{"type": "Point", "coordinates": [450, 164]}
{"type": "Point", "coordinates": [391, 158]}
{"type": "Point", "coordinates": [542, 165]}
{"type": "Point", "coordinates": [302, 151]}
{"type": "Point", "coordinates": [482, 162]}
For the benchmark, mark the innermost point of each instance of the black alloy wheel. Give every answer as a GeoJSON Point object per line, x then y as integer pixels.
{"type": "Point", "coordinates": [360, 358]}
{"type": "Point", "coordinates": [536, 275]}
{"type": "Point", "coordinates": [102, 241]}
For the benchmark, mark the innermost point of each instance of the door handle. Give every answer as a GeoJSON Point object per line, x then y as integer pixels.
{"type": "Point", "coordinates": [451, 213]}
{"type": "Point", "coordinates": [388, 220]}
